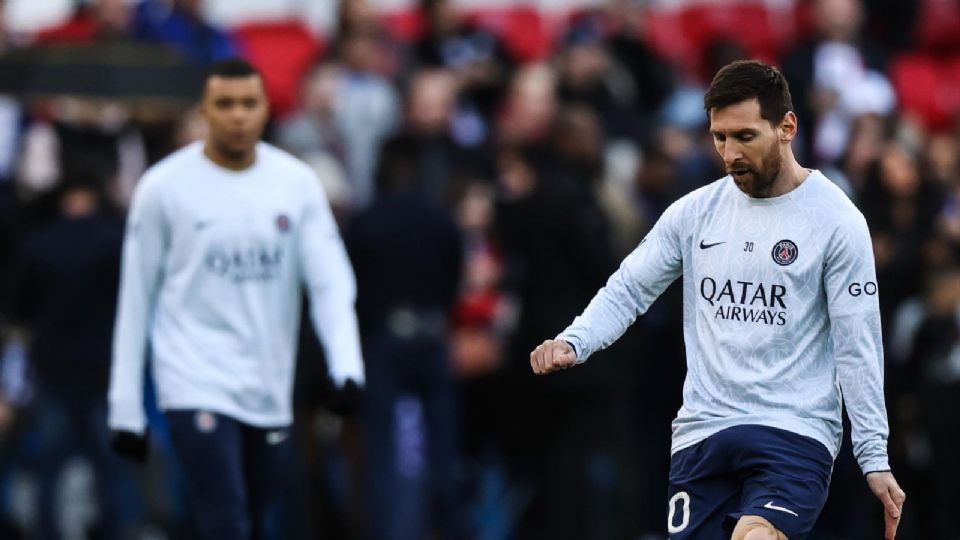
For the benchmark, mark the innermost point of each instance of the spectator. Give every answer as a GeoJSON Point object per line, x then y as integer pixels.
{"type": "Point", "coordinates": [836, 75]}
{"type": "Point", "coordinates": [313, 133]}
{"type": "Point", "coordinates": [475, 56]}
{"type": "Point", "coordinates": [407, 253]}
{"type": "Point", "coordinates": [366, 109]}
{"type": "Point", "coordinates": [64, 297]}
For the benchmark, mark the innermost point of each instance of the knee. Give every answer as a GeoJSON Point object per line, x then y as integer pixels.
{"type": "Point", "coordinates": [756, 528]}
{"type": "Point", "coordinates": [761, 533]}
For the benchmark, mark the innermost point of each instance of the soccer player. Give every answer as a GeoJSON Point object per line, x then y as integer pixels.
{"type": "Point", "coordinates": [222, 234]}
{"type": "Point", "coordinates": [780, 316]}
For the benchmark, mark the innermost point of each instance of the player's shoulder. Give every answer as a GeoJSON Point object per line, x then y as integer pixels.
{"type": "Point", "coordinates": [174, 165]}
{"type": "Point", "coordinates": [703, 200]}
{"type": "Point", "coordinates": [838, 209]}
{"type": "Point", "coordinates": [285, 164]}
{"type": "Point", "coordinates": [171, 170]}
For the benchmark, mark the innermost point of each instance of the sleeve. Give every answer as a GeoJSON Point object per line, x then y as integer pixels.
{"type": "Point", "coordinates": [144, 248]}
{"type": "Point", "coordinates": [331, 287]}
{"type": "Point", "coordinates": [851, 287]}
{"type": "Point", "coordinates": [652, 266]}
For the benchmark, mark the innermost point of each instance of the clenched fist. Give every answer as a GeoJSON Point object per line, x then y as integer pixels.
{"type": "Point", "coordinates": [552, 355]}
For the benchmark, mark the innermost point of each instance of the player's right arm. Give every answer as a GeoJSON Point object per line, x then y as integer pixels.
{"type": "Point", "coordinates": [655, 263]}
{"type": "Point", "coordinates": [144, 248]}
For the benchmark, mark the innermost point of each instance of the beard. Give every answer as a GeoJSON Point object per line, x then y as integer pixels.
{"type": "Point", "coordinates": [758, 182]}
{"type": "Point", "coordinates": [232, 151]}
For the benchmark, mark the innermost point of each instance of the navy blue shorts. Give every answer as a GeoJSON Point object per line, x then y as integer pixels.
{"type": "Point", "coordinates": [232, 471]}
{"type": "Point", "coordinates": [747, 470]}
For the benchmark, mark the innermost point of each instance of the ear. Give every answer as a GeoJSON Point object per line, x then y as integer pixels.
{"type": "Point", "coordinates": [787, 129]}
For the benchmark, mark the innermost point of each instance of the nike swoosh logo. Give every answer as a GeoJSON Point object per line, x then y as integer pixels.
{"type": "Point", "coordinates": [772, 506]}
{"type": "Point", "coordinates": [708, 246]}
{"type": "Point", "coordinates": [276, 437]}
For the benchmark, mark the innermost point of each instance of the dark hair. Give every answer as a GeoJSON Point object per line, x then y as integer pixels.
{"type": "Point", "coordinates": [232, 68]}
{"type": "Point", "coordinates": [747, 79]}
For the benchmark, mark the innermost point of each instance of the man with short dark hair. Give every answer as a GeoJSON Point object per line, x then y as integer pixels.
{"type": "Point", "coordinates": [780, 314]}
{"type": "Point", "coordinates": [221, 236]}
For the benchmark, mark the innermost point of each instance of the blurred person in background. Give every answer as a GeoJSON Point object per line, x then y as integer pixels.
{"type": "Point", "coordinates": [836, 76]}
{"type": "Point", "coordinates": [11, 115]}
{"type": "Point", "coordinates": [408, 255]}
{"type": "Point", "coordinates": [482, 312]}
{"type": "Point", "coordinates": [477, 59]}
{"type": "Point", "coordinates": [313, 133]}
{"type": "Point", "coordinates": [529, 108]}
{"type": "Point", "coordinates": [366, 109]}
{"type": "Point", "coordinates": [925, 347]}
{"type": "Point", "coordinates": [654, 79]}
{"type": "Point", "coordinates": [754, 448]}
{"type": "Point", "coordinates": [590, 75]}
{"type": "Point", "coordinates": [934, 375]}
{"type": "Point", "coordinates": [578, 464]}
{"type": "Point", "coordinates": [901, 206]}
{"type": "Point", "coordinates": [365, 18]}
{"type": "Point", "coordinates": [221, 238]}
{"type": "Point", "coordinates": [15, 395]}
{"type": "Point", "coordinates": [63, 300]}
{"type": "Point", "coordinates": [868, 135]}
{"type": "Point", "coordinates": [428, 129]}
{"type": "Point", "coordinates": [482, 321]}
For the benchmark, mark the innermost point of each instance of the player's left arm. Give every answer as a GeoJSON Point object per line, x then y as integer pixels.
{"type": "Point", "coordinates": [331, 287]}
{"type": "Point", "coordinates": [850, 284]}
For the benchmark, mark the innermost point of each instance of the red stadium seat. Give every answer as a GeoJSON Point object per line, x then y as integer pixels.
{"type": "Point", "coordinates": [522, 28]}
{"type": "Point", "coordinates": [938, 26]}
{"type": "Point", "coordinates": [927, 87]}
{"type": "Point", "coordinates": [282, 51]}
{"type": "Point", "coordinates": [683, 32]}
{"type": "Point", "coordinates": [406, 24]}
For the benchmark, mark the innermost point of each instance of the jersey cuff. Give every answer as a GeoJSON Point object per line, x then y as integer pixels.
{"type": "Point", "coordinates": [877, 465]}
{"type": "Point", "coordinates": [127, 416]}
{"type": "Point", "coordinates": [575, 344]}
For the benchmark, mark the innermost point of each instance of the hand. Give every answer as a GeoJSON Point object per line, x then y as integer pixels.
{"type": "Point", "coordinates": [885, 487]}
{"type": "Point", "coordinates": [552, 355]}
{"type": "Point", "coordinates": [132, 446]}
{"type": "Point", "coordinates": [344, 399]}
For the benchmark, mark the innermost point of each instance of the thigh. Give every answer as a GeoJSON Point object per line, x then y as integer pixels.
{"type": "Point", "coordinates": [208, 447]}
{"type": "Point", "coordinates": [786, 480]}
{"type": "Point", "coordinates": [701, 494]}
{"type": "Point", "coordinates": [265, 452]}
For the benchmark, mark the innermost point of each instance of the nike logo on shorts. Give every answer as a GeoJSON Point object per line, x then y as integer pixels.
{"type": "Point", "coordinates": [771, 506]}
{"type": "Point", "coordinates": [276, 437]}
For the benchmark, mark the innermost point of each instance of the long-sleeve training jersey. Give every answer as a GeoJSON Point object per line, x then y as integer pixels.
{"type": "Point", "coordinates": [213, 265]}
{"type": "Point", "coordinates": [780, 313]}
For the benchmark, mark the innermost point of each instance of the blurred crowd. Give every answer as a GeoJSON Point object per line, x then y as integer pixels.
{"type": "Point", "coordinates": [489, 166]}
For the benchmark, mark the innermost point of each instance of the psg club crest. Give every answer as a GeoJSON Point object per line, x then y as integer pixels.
{"type": "Point", "coordinates": [283, 223]}
{"type": "Point", "coordinates": [205, 422]}
{"type": "Point", "coordinates": [784, 252]}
